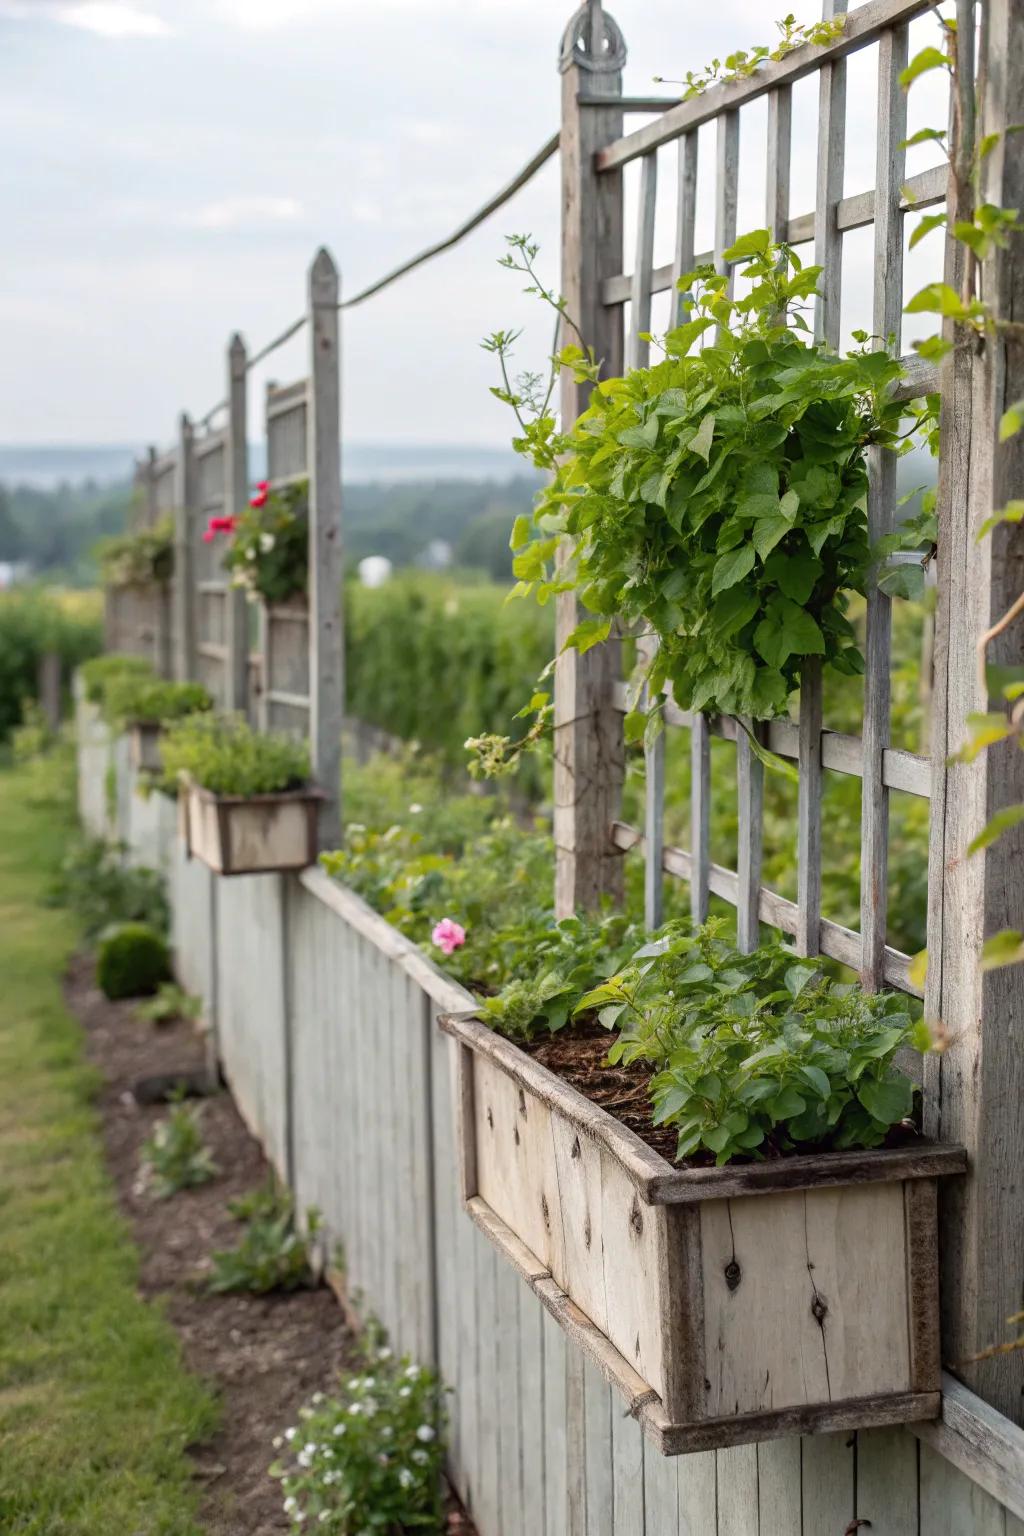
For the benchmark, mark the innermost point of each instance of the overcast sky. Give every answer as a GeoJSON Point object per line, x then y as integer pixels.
{"type": "Point", "coordinates": [168, 167]}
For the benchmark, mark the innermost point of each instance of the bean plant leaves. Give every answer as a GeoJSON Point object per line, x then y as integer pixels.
{"type": "Point", "coordinates": [717, 499]}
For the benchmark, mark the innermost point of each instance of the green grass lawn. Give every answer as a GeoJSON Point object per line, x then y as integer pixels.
{"type": "Point", "coordinates": [96, 1407]}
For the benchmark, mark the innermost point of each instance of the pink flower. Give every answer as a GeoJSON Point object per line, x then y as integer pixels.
{"type": "Point", "coordinates": [448, 936]}
{"type": "Point", "coordinates": [209, 536]}
{"type": "Point", "coordinates": [259, 500]}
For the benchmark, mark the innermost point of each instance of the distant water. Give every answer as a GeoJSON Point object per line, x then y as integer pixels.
{"type": "Point", "coordinates": [362, 463]}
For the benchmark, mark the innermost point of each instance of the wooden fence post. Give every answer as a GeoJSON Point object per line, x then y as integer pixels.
{"type": "Point", "coordinates": [975, 1088]}
{"type": "Point", "coordinates": [589, 752]}
{"type": "Point", "coordinates": [236, 491]}
{"type": "Point", "coordinates": [326, 650]}
{"type": "Point", "coordinates": [184, 626]}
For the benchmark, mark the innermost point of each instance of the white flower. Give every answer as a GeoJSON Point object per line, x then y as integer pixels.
{"type": "Point", "coordinates": [405, 1478]}
{"type": "Point", "coordinates": [405, 1391]}
{"type": "Point", "coordinates": [290, 1503]}
{"type": "Point", "coordinates": [385, 1354]}
{"type": "Point", "coordinates": [289, 1434]}
{"type": "Point", "coordinates": [277, 1442]}
{"type": "Point", "coordinates": [426, 1434]}
{"type": "Point", "coordinates": [420, 1458]}
{"type": "Point", "coordinates": [328, 1453]}
{"type": "Point", "coordinates": [250, 553]}
{"type": "Point", "coordinates": [266, 542]}
{"type": "Point", "coordinates": [305, 1413]}
{"type": "Point", "coordinates": [339, 1429]}
{"type": "Point", "coordinates": [412, 1371]}
{"type": "Point", "coordinates": [305, 1459]}
{"type": "Point", "coordinates": [317, 1397]}
{"type": "Point", "coordinates": [387, 1431]}
{"type": "Point", "coordinates": [324, 1516]}
{"type": "Point", "coordinates": [369, 1382]}
{"type": "Point", "coordinates": [370, 1406]}
{"type": "Point", "coordinates": [414, 810]}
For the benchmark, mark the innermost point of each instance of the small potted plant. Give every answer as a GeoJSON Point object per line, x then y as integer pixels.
{"type": "Point", "coordinates": [247, 804]}
{"type": "Point", "coordinates": [144, 706]}
{"type": "Point", "coordinates": [268, 553]}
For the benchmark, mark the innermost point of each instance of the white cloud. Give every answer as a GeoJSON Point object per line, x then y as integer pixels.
{"type": "Point", "coordinates": [245, 212]}
{"type": "Point", "coordinates": [111, 18]}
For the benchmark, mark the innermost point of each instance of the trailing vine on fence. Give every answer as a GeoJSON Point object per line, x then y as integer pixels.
{"type": "Point", "coordinates": [268, 556]}
{"type": "Point", "coordinates": [139, 559]}
{"type": "Point", "coordinates": [741, 64]}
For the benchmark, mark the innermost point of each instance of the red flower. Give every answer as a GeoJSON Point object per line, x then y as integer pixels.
{"type": "Point", "coordinates": [259, 500]}
{"type": "Point", "coordinates": [219, 525]}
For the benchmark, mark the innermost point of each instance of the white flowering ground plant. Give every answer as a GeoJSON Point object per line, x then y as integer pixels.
{"type": "Point", "coordinates": [368, 1459]}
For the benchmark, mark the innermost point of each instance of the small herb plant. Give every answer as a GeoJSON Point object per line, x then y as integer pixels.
{"type": "Point", "coordinates": [130, 698]}
{"type": "Point", "coordinates": [370, 1457]}
{"type": "Point", "coordinates": [175, 1157]}
{"type": "Point", "coordinates": [171, 1004]}
{"type": "Point", "coordinates": [132, 961]}
{"type": "Point", "coordinates": [98, 671]}
{"type": "Point", "coordinates": [268, 555]}
{"type": "Point", "coordinates": [757, 1054]}
{"type": "Point", "coordinates": [102, 889]}
{"type": "Point", "coordinates": [226, 756]}
{"type": "Point", "coordinates": [272, 1255]}
{"type": "Point", "coordinates": [139, 559]}
{"type": "Point", "coordinates": [716, 499]}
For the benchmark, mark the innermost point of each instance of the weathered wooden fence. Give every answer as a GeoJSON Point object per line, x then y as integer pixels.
{"type": "Point", "coordinates": [325, 1025]}
{"type": "Point", "coordinates": [325, 1017]}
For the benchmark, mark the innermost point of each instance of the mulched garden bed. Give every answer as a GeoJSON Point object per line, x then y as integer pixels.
{"type": "Point", "coordinates": [265, 1355]}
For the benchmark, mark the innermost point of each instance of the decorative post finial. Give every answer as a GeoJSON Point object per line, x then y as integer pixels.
{"type": "Point", "coordinates": [593, 41]}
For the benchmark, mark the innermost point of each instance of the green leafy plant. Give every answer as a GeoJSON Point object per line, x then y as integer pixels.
{"type": "Point", "coordinates": [135, 698]}
{"type": "Point", "coordinates": [272, 1255]}
{"type": "Point", "coordinates": [140, 558]}
{"type": "Point", "coordinates": [550, 965]}
{"type": "Point", "coordinates": [226, 756]}
{"type": "Point", "coordinates": [370, 1457]}
{"type": "Point", "coordinates": [716, 500]}
{"type": "Point", "coordinates": [743, 63]}
{"type": "Point", "coordinates": [98, 672]}
{"type": "Point", "coordinates": [102, 889]}
{"type": "Point", "coordinates": [268, 555]}
{"type": "Point", "coordinates": [132, 961]}
{"type": "Point", "coordinates": [757, 1055]}
{"type": "Point", "coordinates": [35, 622]}
{"type": "Point", "coordinates": [171, 1004]}
{"type": "Point", "coordinates": [175, 1157]}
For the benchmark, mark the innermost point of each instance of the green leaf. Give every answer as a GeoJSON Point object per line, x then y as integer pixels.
{"type": "Point", "coordinates": [756, 243]}
{"type": "Point", "coordinates": [888, 1101]}
{"type": "Point", "coordinates": [983, 731]}
{"type": "Point", "coordinates": [928, 223]}
{"type": "Point", "coordinates": [700, 443]}
{"type": "Point", "coordinates": [732, 567]}
{"type": "Point", "coordinates": [1003, 821]}
{"type": "Point", "coordinates": [767, 534]}
{"type": "Point", "coordinates": [818, 1080]}
{"type": "Point", "coordinates": [732, 611]}
{"type": "Point", "coordinates": [634, 724]}
{"type": "Point", "coordinates": [939, 299]}
{"type": "Point", "coordinates": [918, 970]}
{"type": "Point", "coordinates": [924, 136]}
{"type": "Point", "coordinates": [1003, 948]}
{"type": "Point", "coordinates": [928, 59]}
{"type": "Point", "coordinates": [520, 533]}
{"type": "Point", "coordinates": [1013, 512]}
{"type": "Point", "coordinates": [1011, 421]}
{"type": "Point", "coordinates": [770, 760]}
{"type": "Point", "coordinates": [587, 634]}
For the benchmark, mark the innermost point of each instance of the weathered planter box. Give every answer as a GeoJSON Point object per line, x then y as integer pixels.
{"type": "Point", "coordinates": [145, 746]}
{"type": "Point", "coordinates": [245, 836]}
{"type": "Point", "coordinates": [729, 1304]}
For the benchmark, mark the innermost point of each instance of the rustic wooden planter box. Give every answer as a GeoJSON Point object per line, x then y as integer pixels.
{"type": "Point", "coordinates": [728, 1304]}
{"type": "Point", "coordinates": [245, 836]}
{"type": "Point", "coordinates": [145, 746]}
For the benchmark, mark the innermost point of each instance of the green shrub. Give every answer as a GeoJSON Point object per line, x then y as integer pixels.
{"type": "Point", "coordinates": [33, 623]}
{"type": "Point", "coordinates": [99, 672]}
{"type": "Point", "coordinates": [175, 1157]}
{"type": "Point", "coordinates": [226, 756]}
{"type": "Point", "coordinates": [272, 1255]}
{"type": "Point", "coordinates": [102, 890]}
{"type": "Point", "coordinates": [132, 961]}
{"type": "Point", "coordinates": [369, 1458]}
{"type": "Point", "coordinates": [139, 558]}
{"type": "Point", "coordinates": [129, 697]}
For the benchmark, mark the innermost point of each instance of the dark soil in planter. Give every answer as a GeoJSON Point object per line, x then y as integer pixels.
{"type": "Point", "coordinates": [265, 1355]}
{"type": "Point", "coordinates": [579, 1057]}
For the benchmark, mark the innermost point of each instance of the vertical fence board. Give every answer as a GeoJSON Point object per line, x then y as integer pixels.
{"type": "Point", "coordinates": [737, 1490]}
{"type": "Point", "coordinates": [778, 1487]}
{"type": "Point", "coordinates": [686, 219]}
{"type": "Point", "coordinates": [599, 1408]}
{"type": "Point", "coordinates": [628, 1472]}
{"type": "Point", "coordinates": [531, 1412]}
{"type": "Point", "coordinates": [951, 1505]}
{"type": "Point", "coordinates": [556, 1489]}
{"type": "Point", "coordinates": [488, 1408]}
{"type": "Point", "coordinates": [236, 495]}
{"type": "Point", "coordinates": [698, 1494]}
{"type": "Point", "coordinates": [887, 1476]}
{"type": "Point", "coordinates": [507, 1394]}
{"type": "Point", "coordinates": [827, 1483]}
